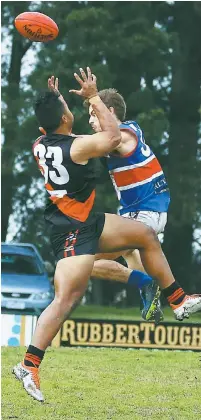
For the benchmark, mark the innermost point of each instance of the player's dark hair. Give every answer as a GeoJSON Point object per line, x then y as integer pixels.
{"type": "Point", "coordinates": [49, 110]}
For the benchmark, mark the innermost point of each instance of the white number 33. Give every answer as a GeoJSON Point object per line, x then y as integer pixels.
{"type": "Point", "coordinates": [55, 171]}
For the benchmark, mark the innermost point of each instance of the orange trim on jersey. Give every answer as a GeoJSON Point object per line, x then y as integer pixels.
{"type": "Point", "coordinates": [36, 142]}
{"type": "Point", "coordinates": [36, 157]}
{"type": "Point", "coordinates": [71, 207]}
{"type": "Point", "coordinates": [130, 176]}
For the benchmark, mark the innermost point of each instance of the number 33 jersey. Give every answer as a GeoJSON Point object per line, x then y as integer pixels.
{"type": "Point", "coordinates": [137, 177]}
{"type": "Point", "coordinates": [71, 186]}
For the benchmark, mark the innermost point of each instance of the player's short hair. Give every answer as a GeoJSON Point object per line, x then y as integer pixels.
{"type": "Point", "coordinates": [49, 110]}
{"type": "Point", "coordinates": [111, 98]}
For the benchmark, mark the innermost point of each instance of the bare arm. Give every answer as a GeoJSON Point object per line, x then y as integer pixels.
{"type": "Point", "coordinates": [128, 142]}
{"type": "Point", "coordinates": [99, 144]}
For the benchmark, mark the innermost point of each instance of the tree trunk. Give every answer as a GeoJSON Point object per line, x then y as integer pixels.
{"type": "Point", "coordinates": [11, 130]}
{"type": "Point", "coordinates": [184, 120]}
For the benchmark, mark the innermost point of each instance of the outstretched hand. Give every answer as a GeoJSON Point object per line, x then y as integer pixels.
{"type": "Point", "coordinates": [53, 84]}
{"type": "Point", "coordinates": [87, 83]}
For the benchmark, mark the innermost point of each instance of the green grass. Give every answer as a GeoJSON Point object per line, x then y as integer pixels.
{"type": "Point", "coordinates": [111, 312]}
{"type": "Point", "coordinates": [103, 384]}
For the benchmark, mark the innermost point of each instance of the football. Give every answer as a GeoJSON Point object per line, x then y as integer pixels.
{"type": "Point", "coordinates": [36, 26]}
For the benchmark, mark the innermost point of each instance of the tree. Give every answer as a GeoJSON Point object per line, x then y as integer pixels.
{"type": "Point", "coordinates": [183, 164]}
{"type": "Point", "coordinates": [69, 51]}
{"type": "Point", "coordinates": [143, 50]}
{"type": "Point", "coordinates": [12, 109]}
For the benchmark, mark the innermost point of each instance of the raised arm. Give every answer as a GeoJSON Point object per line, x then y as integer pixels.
{"type": "Point", "coordinates": [99, 144]}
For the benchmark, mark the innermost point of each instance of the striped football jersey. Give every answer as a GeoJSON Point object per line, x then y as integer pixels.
{"type": "Point", "coordinates": [71, 187]}
{"type": "Point", "coordinates": [137, 177]}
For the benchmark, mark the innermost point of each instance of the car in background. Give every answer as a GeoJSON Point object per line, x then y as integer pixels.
{"type": "Point", "coordinates": [25, 286]}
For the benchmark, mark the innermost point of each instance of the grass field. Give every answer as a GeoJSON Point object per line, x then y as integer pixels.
{"type": "Point", "coordinates": [111, 312]}
{"type": "Point", "coordinates": [103, 384]}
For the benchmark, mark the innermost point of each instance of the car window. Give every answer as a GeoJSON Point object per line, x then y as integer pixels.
{"type": "Point", "coordinates": [19, 264]}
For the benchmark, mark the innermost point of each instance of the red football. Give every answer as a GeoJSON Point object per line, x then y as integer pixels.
{"type": "Point", "coordinates": [36, 26]}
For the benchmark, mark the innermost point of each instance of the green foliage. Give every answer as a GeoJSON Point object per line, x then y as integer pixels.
{"type": "Point", "coordinates": [141, 48]}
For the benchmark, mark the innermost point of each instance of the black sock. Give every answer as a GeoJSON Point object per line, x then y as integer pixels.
{"type": "Point", "coordinates": [33, 356]}
{"type": "Point", "coordinates": [174, 293]}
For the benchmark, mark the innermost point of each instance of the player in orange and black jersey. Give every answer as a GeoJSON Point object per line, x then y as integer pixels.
{"type": "Point", "coordinates": [69, 182]}
{"type": "Point", "coordinates": [76, 230]}
{"type": "Point", "coordinates": [71, 189]}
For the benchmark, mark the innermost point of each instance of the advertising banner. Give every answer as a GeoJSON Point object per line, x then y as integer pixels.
{"type": "Point", "coordinates": [129, 334]}
{"type": "Point", "coordinates": [17, 330]}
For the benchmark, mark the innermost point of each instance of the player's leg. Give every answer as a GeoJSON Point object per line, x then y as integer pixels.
{"type": "Point", "coordinates": [69, 289]}
{"type": "Point", "coordinates": [121, 233]}
{"type": "Point", "coordinates": [133, 260]}
{"type": "Point", "coordinates": [70, 286]}
{"type": "Point", "coordinates": [109, 255]}
{"type": "Point", "coordinates": [118, 271]}
{"type": "Point", "coordinates": [111, 270]}
{"type": "Point", "coordinates": [75, 252]}
{"type": "Point", "coordinates": [133, 234]}
{"type": "Point", "coordinates": [137, 277]}
{"type": "Point", "coordinates": [157, 221]}
{"type": "Point", "coordinates": [150, 293]}
{"type": "Point", "coordinates": [110, 266]}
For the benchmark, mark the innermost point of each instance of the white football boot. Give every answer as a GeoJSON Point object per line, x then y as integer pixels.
{"type": "Point", "coordinates": [30, 378]}
{"type": "Point", "coordinates": [189, 305]}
